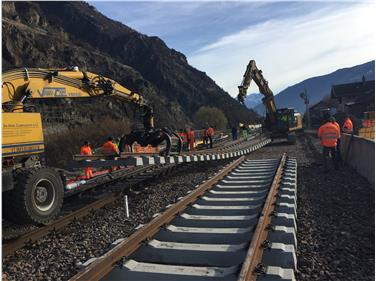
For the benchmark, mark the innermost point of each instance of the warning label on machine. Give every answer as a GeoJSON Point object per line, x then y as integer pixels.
{"type": "Point", "coordinates": [21, 133]}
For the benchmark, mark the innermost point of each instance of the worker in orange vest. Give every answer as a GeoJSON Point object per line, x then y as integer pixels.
{"type": "Point", "coordinates": [109, 148]}
{"type": "Point", "coordinates": [210, 134]}
{"type": "Point", "coordinates": [329, 134]}
{"type": "Point", "coordinates": [192, 139]}
{"type": "Point", "coordinates": [184, 138]}
{"type": "Point", "coordinates": [338, 150]}
{"type": "Point", "coordinates": [86, 150]}
{"type": "Point", "coordinates": [347, 125]}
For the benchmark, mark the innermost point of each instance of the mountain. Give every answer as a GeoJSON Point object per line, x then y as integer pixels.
{"type": "Point", "coordinates": [252, 100]}
{"type": "Point", "coordinates": [60, 34]}
{"type": "Point", "coordinates": [320, 86]}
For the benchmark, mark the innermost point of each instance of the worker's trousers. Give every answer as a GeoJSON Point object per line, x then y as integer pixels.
{"type": "Point", "coordinates": [191, 145]}
{"type": "Point", "coordinates": [88, 173]}
{"type": "Point", "coordinates": [329, 152]}
{"type": "Point", "coordinates": [338, 150]}
{"type": "Point", "coordinates": [210, 141]}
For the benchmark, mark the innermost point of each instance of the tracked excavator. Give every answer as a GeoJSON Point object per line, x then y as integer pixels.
{"type": "Point", "coordinates": [280, 123]}
{"type": "Point", "coordinates": [33, 190]}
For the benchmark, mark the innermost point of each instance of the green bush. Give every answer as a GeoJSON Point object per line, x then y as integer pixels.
{"type": "Point", "coordinates": [210, 116]}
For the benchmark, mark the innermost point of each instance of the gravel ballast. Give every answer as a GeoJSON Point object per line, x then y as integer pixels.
{"type": "Point", "coordinates": [55, 257]}
{"type": "Point", "coordinates": [336, 216]}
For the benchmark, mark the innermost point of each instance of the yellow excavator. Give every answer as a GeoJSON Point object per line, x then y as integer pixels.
{"type": "Point", "coordinates": [282, 122]}
{"type": "Point", "coordinates": [34, 191]}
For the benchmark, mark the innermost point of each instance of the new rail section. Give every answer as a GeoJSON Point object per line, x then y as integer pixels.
{"type": "Point", "coordinates": [238, 225]}
{"type": "Point", "coordinates": [136, 175]}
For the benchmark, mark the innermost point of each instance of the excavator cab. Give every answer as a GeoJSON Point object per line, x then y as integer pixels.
{"type": "Point", "coordinates": [284, 124]}
{"type": "Point", "coordinates": [284, 120]}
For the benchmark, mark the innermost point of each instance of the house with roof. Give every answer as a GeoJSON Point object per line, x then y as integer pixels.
{"type": "Point", "coordinates": [350, 98]}
{"type": "Point", "coordinates": [354, 98]}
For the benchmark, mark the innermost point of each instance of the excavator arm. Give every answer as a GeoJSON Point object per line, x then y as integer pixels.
{"type": "Point", "coordinates": [253, 73]}
{"type": "Point", "coordinates": [280, 122]}
{"type": "Point", "coordinates": [20, 85]}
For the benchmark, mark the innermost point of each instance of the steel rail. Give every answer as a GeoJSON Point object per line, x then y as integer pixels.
{"type": "Point", "coordinates": [230, 146]}
{"type": "Point", "coordinates": [34, 235]}
{"type": "Point", "coordinates": [30, 237]}
{"type": "Point", "coordinates": [255, 250]}
{"type": "Point", "coordinates": [102, 266]}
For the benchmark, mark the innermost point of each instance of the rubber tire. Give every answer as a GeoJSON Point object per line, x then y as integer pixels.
{"type": "Point", "coordinates": [23, 209]}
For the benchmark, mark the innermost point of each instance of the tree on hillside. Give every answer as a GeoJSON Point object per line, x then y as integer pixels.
{"type": "Point", "coordinates": [210, 116]}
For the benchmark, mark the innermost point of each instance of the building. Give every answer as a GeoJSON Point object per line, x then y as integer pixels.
{"type": "Point", "coordinates": [351, 98]}
{"type": "Point", "coordinates": [354, 98]}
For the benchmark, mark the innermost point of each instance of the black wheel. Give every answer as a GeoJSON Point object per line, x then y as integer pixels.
{"type": "Point", "coordinates": [37, 197]}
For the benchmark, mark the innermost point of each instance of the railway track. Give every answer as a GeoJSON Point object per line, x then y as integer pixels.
{"type": "Point", "coordinates": [133, 178]}
{"type": "Point", "coordinates": [229, 150]}
{"type": "Point", "coordinates": [238, 225]}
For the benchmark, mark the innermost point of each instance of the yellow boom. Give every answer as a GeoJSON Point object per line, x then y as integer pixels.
{"type": "Point", "coordinates": [21, 84]}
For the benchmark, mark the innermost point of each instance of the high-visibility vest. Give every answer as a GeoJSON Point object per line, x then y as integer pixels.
{"type": "Point", "coordinates": [183, 136]}
{"type": "Point", "coordinates": [109, 148]}
{"type": "Point", "coordinates": [85, 150]}
{"type": "Point", "coordinates": [210, 132]}
{"type": "Point", "coordinates": [191, 136]}
{"type": "Point", "coordinates": [337, 125]}
{"type": "Point", "coordinates": [328, 134]}
{"type": "Point", "coordinates": [347, 126]}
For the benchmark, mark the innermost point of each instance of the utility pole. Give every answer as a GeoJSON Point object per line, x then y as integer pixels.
{"type": "Point", "coordinates": [304, 96]}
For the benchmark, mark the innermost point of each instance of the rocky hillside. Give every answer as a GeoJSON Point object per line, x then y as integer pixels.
{"type": "Point", "coordinates": [320, 86]}
{"type": "Point", "coordinates": [60, 34]}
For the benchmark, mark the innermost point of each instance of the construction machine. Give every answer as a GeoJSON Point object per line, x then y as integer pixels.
{"type": "Point", "coordinates": [33, 190]}
{"type": "Point", "coordinates": [280, 123]}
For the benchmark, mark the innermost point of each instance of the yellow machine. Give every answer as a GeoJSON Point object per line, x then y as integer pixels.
{"type": "Point", "coordinates": [35, 192]}
{"type": "Point", "coordinates": [281, 123]}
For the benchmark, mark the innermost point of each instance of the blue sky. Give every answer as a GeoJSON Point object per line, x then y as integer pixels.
{"type": "Point", "coordinates": [290, 41]}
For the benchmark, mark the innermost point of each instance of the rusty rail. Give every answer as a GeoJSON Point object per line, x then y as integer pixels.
{"type": "Point", "coordinates": [255, 251]}
{"type": "Point", "coordinates": [38, 233]}
{"type": "Point", "coordinates": [30, 237]}
{"type": "Point", "coordinates": [102, 266]}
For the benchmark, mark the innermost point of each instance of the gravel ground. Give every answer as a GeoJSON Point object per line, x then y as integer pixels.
{"type": "Point", "coordinates": [336, 222]}
{"type": "Point", "coordinates": [336, 216]}
{"type": "Point", "coordinates": [55, 256]}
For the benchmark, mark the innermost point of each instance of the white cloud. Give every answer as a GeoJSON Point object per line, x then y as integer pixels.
{"type": "Point", "coordinates": [292, 49]}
